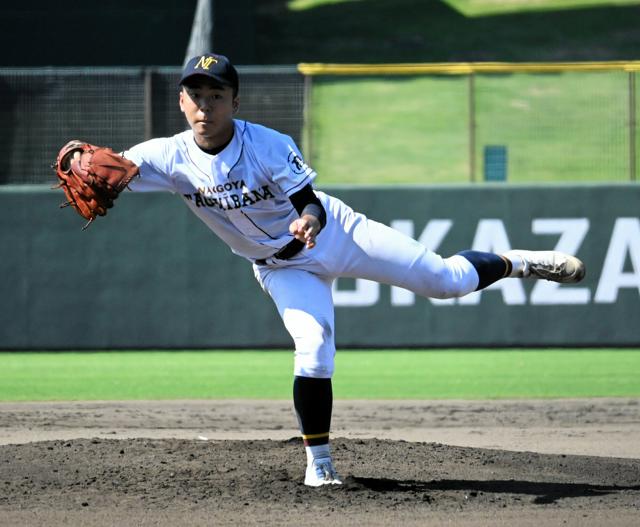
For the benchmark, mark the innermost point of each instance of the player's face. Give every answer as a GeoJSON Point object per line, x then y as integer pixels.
{"type": "Point", "coordinates": [209, 110]}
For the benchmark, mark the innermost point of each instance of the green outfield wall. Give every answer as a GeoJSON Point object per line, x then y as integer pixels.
{"type": "Point", "coordinates": [150, 275]}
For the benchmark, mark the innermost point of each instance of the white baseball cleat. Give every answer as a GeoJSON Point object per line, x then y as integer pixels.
{"type": "Point", "coordinates": [550, 265]}
{"type": "Point", "coordinates": [321, 472]}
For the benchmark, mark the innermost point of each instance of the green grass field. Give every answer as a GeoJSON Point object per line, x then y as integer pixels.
{"type": "Point", "coordinates": [485, 7]}
{"type": "Point", "coordinates": [557, 128]}
{"type": "Point", "coordinates": [567, 127]}
{"type": "Point", "coordinates": [373, 31]}
{"type": "Point", "coordinates": [381, 374]}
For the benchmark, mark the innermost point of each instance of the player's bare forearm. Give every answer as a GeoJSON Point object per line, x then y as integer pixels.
{"type": "Point", "coordinates": [305, 229]}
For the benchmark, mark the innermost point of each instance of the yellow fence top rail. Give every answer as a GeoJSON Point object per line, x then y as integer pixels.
{"type": "Point", "coordinates": [464, 68]}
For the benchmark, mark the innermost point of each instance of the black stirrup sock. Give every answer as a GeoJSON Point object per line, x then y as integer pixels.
{"type": "Point", "coordinates": [313, 402]}
{"type": "Point", "coordinates": [489, 266]}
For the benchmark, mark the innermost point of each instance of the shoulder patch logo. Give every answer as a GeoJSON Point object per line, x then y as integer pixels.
{"type": "Point", "coordinates": [297, 165]}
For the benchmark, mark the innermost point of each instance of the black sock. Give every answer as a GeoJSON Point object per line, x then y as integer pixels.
{"type": "Point", "coordinates": [489, 266]}
{"type": "Point", "coordinates": [313, 401]}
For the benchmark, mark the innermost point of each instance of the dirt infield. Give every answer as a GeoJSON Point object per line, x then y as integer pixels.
{"type": "Point", "coordinates": [469, 463]}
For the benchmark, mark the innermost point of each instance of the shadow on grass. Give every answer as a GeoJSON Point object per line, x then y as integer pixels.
{"type": "Point", "coordinates": [374, 31]}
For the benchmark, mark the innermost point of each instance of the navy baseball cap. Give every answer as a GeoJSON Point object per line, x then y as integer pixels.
{"type": "Point", "coordinates": [216, 67]}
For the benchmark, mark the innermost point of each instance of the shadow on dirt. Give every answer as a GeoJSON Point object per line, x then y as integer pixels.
{"type": "Point", "coordinates": [544, 493]}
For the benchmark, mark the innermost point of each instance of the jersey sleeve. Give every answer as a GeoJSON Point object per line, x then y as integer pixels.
{"type": "Point", "coordinates": [152, 158]}
{"type": "Point", "coordinates": [288, 168]}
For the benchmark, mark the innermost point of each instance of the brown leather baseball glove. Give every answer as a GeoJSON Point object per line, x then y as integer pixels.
{"type": "Point", "coordinates": [92, 177]}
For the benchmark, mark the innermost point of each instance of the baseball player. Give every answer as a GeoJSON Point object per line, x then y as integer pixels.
{"type": "Point", "coordinates": [251, 187]}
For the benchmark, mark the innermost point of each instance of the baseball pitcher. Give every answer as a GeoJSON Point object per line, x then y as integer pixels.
{"type": "Point", "coordinates": [251, 186]}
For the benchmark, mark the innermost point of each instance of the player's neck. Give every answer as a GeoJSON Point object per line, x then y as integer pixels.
{"type": "Point", "coordinates": [215, 146]}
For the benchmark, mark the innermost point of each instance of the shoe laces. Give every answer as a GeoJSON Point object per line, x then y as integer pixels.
{"type": "Point", "coordinates": [554, 266]}
{"type": "Point", "coordinates": [326, 471]}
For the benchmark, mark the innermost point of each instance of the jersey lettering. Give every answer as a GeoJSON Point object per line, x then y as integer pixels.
{"type": "Point", "coordinates": [253, 175]}
{"type": "Point", "coordinates": [219, 189]}
{"type": "Point", "coordinates": [230, 201]}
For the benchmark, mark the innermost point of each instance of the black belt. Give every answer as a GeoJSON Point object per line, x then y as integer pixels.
{"type": "Point", "coordinates": [287, 252]}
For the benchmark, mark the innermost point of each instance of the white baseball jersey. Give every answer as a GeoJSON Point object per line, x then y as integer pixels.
{"type": "Point", "coordinates": [242, 194]}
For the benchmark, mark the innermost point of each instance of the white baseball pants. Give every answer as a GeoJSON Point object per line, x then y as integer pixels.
{"type": "Point", "coordinates": [351, 245]}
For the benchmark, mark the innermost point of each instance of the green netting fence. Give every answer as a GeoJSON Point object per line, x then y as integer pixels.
{"type": "Point", "coordinates": [473, 122]}
{"type": "Point", "coordinates": [43, 108]}
{"type": "Point", "coordinates": [357, 124]}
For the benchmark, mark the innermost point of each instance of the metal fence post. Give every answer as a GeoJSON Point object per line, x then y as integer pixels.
{"type": "Point", "coordinates": [306, 120]}
{"type": "Point", "coordinates": [632, 125]}
{"type": "Point", "coordinates": [472, 127]}
{"type": "Point", "coordinates": [148, 104]}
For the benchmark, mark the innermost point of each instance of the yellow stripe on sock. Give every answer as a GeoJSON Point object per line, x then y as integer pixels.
{"type": "Point", "coordinates": [315, 436]}
{"type": "Point", "coordinates": [509, 269]}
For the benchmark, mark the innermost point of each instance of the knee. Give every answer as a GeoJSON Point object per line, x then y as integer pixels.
{"type": "Point", "coordinates": [314, 368]}
{"type": "Point", "coordinates": [315, 352]}
{"type": "Point", "coordinates": [455, 278]}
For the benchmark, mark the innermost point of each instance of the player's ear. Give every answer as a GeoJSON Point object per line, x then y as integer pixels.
{"type": "Point", "coordinates": [236, 104]}
{"type": "Point", "coordinates": [181, 99]}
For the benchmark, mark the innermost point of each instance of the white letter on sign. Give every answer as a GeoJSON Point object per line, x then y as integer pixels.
{"type": "Point", "coordinates": [366, 293]}
{"type": "Point", "coordinates": [625, 240]}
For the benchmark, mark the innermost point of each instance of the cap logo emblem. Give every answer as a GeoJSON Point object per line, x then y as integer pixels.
{"type": "Point", "coordinates": [205, 62]}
